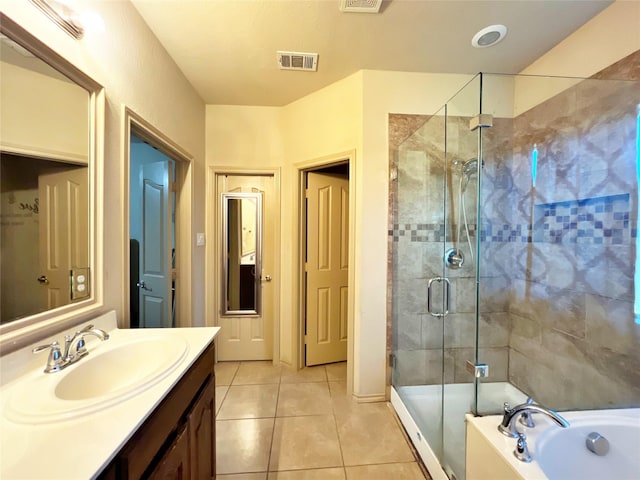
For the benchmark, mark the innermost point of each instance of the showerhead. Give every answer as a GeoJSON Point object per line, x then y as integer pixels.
{"type": "Point", "coordinates": [470, 167]}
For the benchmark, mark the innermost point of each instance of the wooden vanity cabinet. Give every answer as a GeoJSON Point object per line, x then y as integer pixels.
{"type": "Point", "coordinates": [175, 464]}
{"type": "Point", "coordinates": [178, 440]}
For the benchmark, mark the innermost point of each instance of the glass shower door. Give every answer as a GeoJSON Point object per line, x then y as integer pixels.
{"type": "Point", "coordinates": [418, 246]}
{"type": "Point", "coordinates": [460, 267]}
{"type": "Point", "coordinates": [434, 277]}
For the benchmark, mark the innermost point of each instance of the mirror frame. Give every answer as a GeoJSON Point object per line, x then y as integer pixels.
{"type": "Point", "coordinates": [20, 332]}
{"type": "Point", "coordinates": [225, 197]}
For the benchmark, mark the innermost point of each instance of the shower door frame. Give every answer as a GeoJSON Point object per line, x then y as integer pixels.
{"type": "Point", "coordinates": [436, 462]}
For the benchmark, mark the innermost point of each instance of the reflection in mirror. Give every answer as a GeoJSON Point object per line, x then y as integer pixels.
{"type": "Point", "coordinates": [45, 152]}
{"type": "Point", "coordinates": [242, 226]}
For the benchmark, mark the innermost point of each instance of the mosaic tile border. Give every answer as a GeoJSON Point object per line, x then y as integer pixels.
{"type": "Point", "coordinates": [599, 221]}
{"type": "Point", "coordinates": [596, 221]}
{"type": "Point", "coordinates": [425, 232]}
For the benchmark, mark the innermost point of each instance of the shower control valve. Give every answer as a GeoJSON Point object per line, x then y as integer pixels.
{"type": "Point", "coordinates": [454, 258]}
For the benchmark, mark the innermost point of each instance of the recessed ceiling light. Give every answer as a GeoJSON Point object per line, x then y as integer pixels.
{"type": "Point", "coordinates": [489, 36]}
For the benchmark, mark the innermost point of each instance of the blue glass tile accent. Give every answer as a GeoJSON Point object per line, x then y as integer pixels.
{"type": "Point", "coordinates": [598, 220]}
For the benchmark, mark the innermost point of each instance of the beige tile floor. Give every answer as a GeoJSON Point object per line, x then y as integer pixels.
{"type": "Point", "coordinates": [275, 423]}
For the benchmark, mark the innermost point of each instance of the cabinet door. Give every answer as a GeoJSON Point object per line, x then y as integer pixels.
{"type": "Point", "coordinates": [202, 436]}
{"type": "Point", "coordinates": [175, 463]}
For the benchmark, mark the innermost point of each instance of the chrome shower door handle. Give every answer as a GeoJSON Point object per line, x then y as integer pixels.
{"type": "Point", "coordinates": [447, 294]}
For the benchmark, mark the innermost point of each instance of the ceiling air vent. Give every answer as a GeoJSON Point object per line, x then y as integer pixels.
{"type": "Point", "coordinates": [298, 61]}
{"type": "Point", "coordinates": [360, 6]}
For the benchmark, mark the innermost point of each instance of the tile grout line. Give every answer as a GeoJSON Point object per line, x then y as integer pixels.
{"type": "Point", "coordinates": [335, 422]}
{"type": "Point", "coordinates": [273, 430]}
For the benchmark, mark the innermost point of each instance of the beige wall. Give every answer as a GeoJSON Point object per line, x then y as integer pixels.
{"type": "Point", "coordinates": [608, 37]}
{"type": "Point", "coordinates": [384, 93]}
{"type": "Point", "coordinates": [349, 115]}
{"type": "Point", "coordinates": [137, 72]}
{"type": "Point", "coordinates": [321, 124]}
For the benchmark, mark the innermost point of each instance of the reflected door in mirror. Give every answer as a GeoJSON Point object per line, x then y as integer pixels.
{"type": "Point", "coordinates": [242, 285]}
{"type": "Point", "coordinates": [43, 233]}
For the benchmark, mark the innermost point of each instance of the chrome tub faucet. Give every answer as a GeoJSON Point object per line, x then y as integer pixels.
{"type": "Point", "coordinates": [508, 425]}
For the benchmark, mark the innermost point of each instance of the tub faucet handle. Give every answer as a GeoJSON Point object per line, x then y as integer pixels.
{"type": "Point", "coordinates": [526, 418]}
{"type": "Point", "coordinates": [522, 450]}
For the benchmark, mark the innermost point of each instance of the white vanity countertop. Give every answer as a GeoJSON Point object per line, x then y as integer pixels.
{"type": "Point", "coordinates": [82, 446]}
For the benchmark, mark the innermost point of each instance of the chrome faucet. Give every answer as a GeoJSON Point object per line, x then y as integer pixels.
{"type": "Point", "coordinates": [58, 360]}
{"type": "Point", "coordinates": [508, 425]}
{"type": "Point", "coordinates": [81, 349]}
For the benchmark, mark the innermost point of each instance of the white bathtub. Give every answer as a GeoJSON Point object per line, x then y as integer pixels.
{"type": "Point", "coordinates": [558, 453]}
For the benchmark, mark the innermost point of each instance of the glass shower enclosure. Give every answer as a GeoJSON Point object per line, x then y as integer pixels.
{"type": "Point", "coordinates": [513, 256]}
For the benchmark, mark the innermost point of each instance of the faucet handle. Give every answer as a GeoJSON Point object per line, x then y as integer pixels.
{"type": "Point", "coordinates": [526, 418]}
{"type": "Point", "coordinates": [55, 362]}
{"type": "Point", "coordinates": [81, 349]}
{"type": "Point", "coordinates": [522, 450]}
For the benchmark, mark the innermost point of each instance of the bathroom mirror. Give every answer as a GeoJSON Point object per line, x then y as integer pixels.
{"type": "Point", "coordinates": [49, 113]}
{"type": "Point", "coordinates": [241, 252]}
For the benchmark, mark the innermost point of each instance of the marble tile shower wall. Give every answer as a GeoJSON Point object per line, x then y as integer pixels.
{"type": "Point", "coordinates": [568, 245]}
{"type": "Point", "coordinates": [418, 230]}
{"type": "Point", "coordinates": [556, 293]}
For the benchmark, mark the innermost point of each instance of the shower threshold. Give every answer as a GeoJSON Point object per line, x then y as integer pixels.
{"type": "Point", "coordinates": [419, 410]}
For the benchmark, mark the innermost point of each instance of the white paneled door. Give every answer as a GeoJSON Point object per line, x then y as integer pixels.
{"type": "Point", "coordinates": [155, 247]}
{"type": "Point", "coordinates": [327, 268]}
{"type": "Point", "coordinates": [250, 336]}
{"type": "Point", "coordinates": [64, 214]}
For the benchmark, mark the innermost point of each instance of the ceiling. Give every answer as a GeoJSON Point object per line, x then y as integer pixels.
{"type": "Point", "coordinates": [227, 48]}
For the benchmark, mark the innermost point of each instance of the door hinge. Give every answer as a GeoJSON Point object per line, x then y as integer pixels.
{"type": "Point", "coordinates": [478, 370]}
{"type": "Point", "coordinates": [306, 338]}
{"type": "Point", "coordinates": [392, 360]}
{"type": "Point", "coordinates": [482, 120]}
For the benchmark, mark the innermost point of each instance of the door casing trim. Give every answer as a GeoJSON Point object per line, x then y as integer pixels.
{"type": "Point", "coordinates": [299, 243]}
{"type": "Point", "coordinates": [184, 200]}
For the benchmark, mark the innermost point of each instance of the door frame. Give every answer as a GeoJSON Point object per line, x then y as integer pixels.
{"type": "Point", "coordinates": [300, 242]}
{"type": "Point", "coordinates": [213, 248]}
{"type": "Point", "coordinates": [134, 123]}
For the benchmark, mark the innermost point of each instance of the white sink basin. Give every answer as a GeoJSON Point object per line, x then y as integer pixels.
{"type": "Point", "coordinates": [114, 371]}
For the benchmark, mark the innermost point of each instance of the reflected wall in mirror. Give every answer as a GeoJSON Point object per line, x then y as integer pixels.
{"type": "Point", "coordinates": [241, 231]}
{"type": "Point", "coordinates": [47, 145]}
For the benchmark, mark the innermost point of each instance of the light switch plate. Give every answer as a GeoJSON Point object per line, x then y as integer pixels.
{"type": "Point", "coordinates": [80, 283]}
{"type": "Point", "coordinates": [200, 239]}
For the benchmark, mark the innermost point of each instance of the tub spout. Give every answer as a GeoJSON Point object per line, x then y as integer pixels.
{"type": "Point", "coordinates": [508, 425]}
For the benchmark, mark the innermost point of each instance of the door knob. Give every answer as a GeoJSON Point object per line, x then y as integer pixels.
{"type": "Point", "coordinates": [267, 278]}
{"type": "Point", "coordinates": [43, 279]}
{"type": "Point", "coordinates": [143, 286]}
